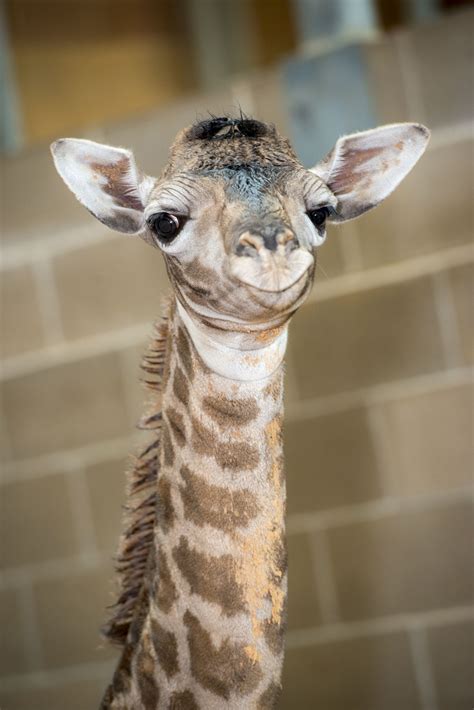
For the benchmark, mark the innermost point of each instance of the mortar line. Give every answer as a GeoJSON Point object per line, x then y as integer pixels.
{"type": "Point", "coordinates": [82, 513]}
{"type": "Point", "coordinates": [345, 631]}
{"type": "Point", "coordinates": [130, 385]}
{"type": "Point", "coordinates": [408, 65]}
{"type": "Point", "coordinates": [384, 450]}
{"type": "Point", "coordinates": [423, 670]}
{"type": "Point", "coordinates": [52, 569]}
{"type": "Point", "coordinates": [48, 301]}
{"type": "Point", "coordinates": [323, 576]}
{"type": "Point", "coordinates": [96, 670]}
{"type": "Point", "coordinates": [447, 320]}
{"type": "Point", "coordinates": [377, 509]}
{"type": "Point", "coordinates": [29, 624]}
{"type": "Point", "coordinates": [379, 393]}
{"type": "Point", "coordinates": [67, 460]}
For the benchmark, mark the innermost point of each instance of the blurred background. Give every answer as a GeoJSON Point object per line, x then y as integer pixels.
{"type": "Point", "coordinates": [378, 404]}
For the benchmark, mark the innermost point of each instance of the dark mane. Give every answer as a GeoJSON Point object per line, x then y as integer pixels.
{"type": "Point", "coordinates": [224, 127]}
{"type": "Point", "coordinates": [136, 543]}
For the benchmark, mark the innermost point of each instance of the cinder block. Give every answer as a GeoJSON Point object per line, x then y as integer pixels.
{"type": "Point", "coordinates": [36, 522]}
{"type": "Point", "coordinates": [66, 406]}
{"type": "Point", "coordinates": [108, 286]}
{"type": "Point", "coordinates": [20, 316]}
{"type": "Point", "coordinates": [410, 562]}
{"type": "Point", "coordinates": [366, 338]}
{"type": "Point", "coordinates": [330, 462]}
{"type": "Point", "coordinates": [368, 673]}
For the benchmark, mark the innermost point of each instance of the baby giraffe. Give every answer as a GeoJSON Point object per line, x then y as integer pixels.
{"type": "Point", "coordinates": [202, 562]}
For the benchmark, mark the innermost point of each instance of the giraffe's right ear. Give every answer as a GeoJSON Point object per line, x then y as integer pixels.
{"type": "Point", "coordinates": [105, 180]}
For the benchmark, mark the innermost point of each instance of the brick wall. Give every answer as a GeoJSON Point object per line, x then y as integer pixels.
{"type": "Point", "coordinates": [378, 419]}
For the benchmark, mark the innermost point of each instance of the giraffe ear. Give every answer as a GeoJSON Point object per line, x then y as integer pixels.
{"type": "Point", "coordinates": [364, 168]}
{"type": "Point", "coordinates": [105, 180]}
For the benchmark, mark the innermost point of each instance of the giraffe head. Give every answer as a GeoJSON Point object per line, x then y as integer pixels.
{"type": "Point", "coordinates": [236, 216]}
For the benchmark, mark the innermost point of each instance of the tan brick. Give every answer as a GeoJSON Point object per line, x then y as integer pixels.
{"type": "Point", "coordinates": [269, 100]}
{"type": "Point", "coordinates": [79, 695]}
{"type": "Point", "coordinates": [70, 614]}
{"type": "Point", "coordinates": [21, 325]}
{"type": "Point", "coordinates": [386, 80]}
{"type": "Point", "coordinates": [5, 451]}
{"type": "Point", "coordinates": [330, 462]}
{"type": "Point", "coordinates": [303, 607]}
{"type": "Point", "coordinates": [430, 439]}
{"type": "Point", "coordinates": [137, 393]}
{"type": "Point", "coordinates": [359, 674]}
{"type": "Point", "coordinates": [13, 652]}
{"type": "Point", "coordinates": [66, 406]}
{"type": "Point", "coordinates": [452, 657]}
{"type": "Point", "coordinates": [36, 521]}
{"type": "Point", "coordinates": [462, 283]}
{"type": "Point", "coordinates": [38, 201]}
{"type": "Point", "coordinates": [414, 561]}
{"type": "Point", "coordinates": [366, 338]}
{"type": "Point", "coordinates": [443, 56]}
{"type": "Point", "coordinates": [106, 484]}
{"type": "Point", "coordinates": [411, 222]}
{"type": "Point", "coordinates": [111, 285]}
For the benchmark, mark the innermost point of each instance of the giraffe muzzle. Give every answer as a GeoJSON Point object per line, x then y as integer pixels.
{"type": "Point", "coordinates": [270, 261]}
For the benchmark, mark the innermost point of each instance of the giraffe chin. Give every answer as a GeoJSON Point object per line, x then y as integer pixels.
{"type": "Point", "coordinates": [272, 272]}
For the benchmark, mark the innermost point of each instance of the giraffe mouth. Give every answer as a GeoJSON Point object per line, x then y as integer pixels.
{"type": "Point", "coordinates": [272, 271]}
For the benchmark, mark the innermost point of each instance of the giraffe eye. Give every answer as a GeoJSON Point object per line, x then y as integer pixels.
{"type": "Point", "coordinates": [318, 217]}
{"type": "Point", "coordinates": [165, 226]}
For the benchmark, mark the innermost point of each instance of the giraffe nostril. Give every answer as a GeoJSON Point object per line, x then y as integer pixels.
{"type": "Point", "coordinates": [252, 243]}
{"type": "Point", "coordinates": [249, 244]}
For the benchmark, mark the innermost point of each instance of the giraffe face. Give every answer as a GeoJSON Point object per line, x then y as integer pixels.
{"type": "Point", "coordinates": [240, 242]}
{"type": "Point", "coordinates": [236, 216]}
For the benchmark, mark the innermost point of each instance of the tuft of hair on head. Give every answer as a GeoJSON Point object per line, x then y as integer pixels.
{"type": "Point", "coordinates": [226, 127]}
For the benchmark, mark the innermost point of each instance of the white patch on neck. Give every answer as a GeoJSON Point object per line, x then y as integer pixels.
{"type": "Point", "coordinates": [234, 363]}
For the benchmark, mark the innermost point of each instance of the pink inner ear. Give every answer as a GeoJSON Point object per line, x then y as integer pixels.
{"type": "Point", "coordinates": [117, 175]}
{"type": "Point", "coordinates": [352, 162]}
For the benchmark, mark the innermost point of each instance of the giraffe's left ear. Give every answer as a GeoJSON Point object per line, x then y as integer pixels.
{"type": "Point", "coordinates": [105, 180]}
{"type": "Point", "coordinates": [364, 168]}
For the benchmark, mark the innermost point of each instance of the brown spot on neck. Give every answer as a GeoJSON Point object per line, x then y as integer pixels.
{"type": "Point", "coordinates": [222, 671]}
{"type": "Point", "coordinates": [165, 589]}
{"type": "Point", "coordinates": [269, 698]}
{"type": "Point", "coordinates": [227, 412]}
{"type": "Point", "coordinates": [165, 514]}
{"type": "Point", "coordinates": [212, 578]}
{"type": "Point", "coordinates": [180, 385]}
{"type": "Point", "coordinates": [177, 425]}
{"type": "Point", "coordinates": [167, 445]}
{"type": "Point", "coordinates": [206, 504]}
{"type": "Point", "coordinates": [166, 648]}
{"type": "Point", "coordinates": [183, 700]}
{"type": "Point", "coordinates": [145, 680]}
{"type": "Point", "coordinates": [233, 455]}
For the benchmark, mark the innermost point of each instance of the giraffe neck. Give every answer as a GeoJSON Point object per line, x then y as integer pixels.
{"type": "Point", "coordinates": [208, 630]}
{"type": "Point", "coordinates": [226, 356]}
